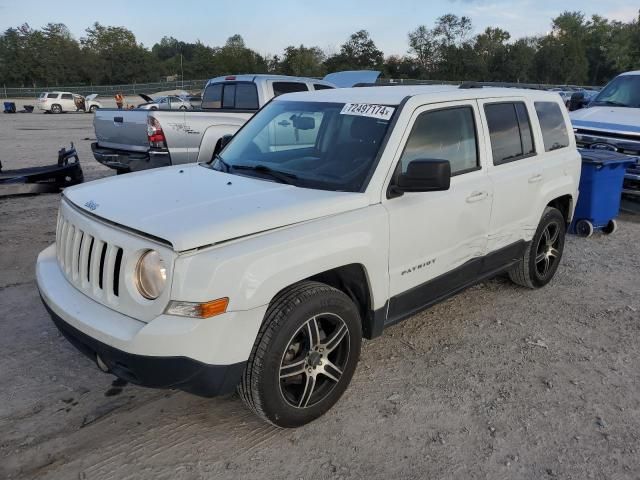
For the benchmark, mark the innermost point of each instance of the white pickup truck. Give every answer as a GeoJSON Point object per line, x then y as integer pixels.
{"type": "Point", "coordinates": [611, 121]}
{"type": "Point", "coordinates": [264, 268]}
{"type": "Point", "coordinates": [139, 139]}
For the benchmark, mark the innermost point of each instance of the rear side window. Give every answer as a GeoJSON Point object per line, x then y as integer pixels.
{"type": "Point", "coordinates": [448, 134]}
{"type": "Point", "coordinates": [510, 131]}
{"type": "Point", "coordinates": [67, 96]}
{"type": "Point", "coordinates": [319, 86]}
{"type": "Point", "coordinates": [231, 96]}
{"type": "Point", "coordinates": [280, 88]}
{"type": "Point", "coordinates": [52, 95]}
{"type": "Point", "coordinates": [554, 130]}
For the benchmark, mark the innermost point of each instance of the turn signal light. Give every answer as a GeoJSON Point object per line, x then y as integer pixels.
{"type": "Point", "coordinates": [198, 310]}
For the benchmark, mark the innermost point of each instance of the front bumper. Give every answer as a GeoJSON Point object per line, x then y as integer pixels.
{"type": "Point", "coordinates": [201, 356]}
{"type": "Point", "coordinates": [124, 161]}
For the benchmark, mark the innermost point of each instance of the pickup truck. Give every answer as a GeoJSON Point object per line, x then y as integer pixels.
{"type": "Point", "coordinates": [611, 121]}
{"type": "Point", "coordinates": [139, 139]}
{"type": "Point", "coordinates": [265, 267]}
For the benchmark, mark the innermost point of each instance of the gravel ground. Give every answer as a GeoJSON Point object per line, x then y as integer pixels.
{"type": "Point", "coordinates": [497, 382]}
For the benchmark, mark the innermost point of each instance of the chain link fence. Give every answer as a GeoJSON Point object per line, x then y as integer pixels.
{"type": "Point", "coordinates": [109, 90]}
{"type": "Point", "coordinates": [198, 85]}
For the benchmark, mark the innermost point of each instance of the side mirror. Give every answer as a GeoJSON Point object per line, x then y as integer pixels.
{"type": "Point", "coordinates": [576, 102]}
{"type": "Point", "coordinates": [220, 144]}
{"type": "Point", "coordinates": [303, 123]}
{"type": "Point", "coordinates": [425, 176]}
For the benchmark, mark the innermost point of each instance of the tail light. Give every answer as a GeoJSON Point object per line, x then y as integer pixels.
{"type": "Point", "coordinates": [155, 133]}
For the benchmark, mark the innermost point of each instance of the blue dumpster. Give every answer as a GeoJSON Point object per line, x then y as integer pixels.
{"type": "Point", "coordinates": [600, 191]}
{"type": "Point", "coordinates": [9, 107]}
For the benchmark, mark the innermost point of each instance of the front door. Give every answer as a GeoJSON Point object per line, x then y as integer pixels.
{"type": "Point", "coordinates": [438, 238]}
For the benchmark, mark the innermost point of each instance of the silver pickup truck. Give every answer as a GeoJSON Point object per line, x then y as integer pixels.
{"type": "Point", "coordinates": [138, 139]}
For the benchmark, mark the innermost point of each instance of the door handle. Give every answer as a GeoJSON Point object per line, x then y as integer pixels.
{"type": "Point", "coordinates": [535, 179]}
{"type": "Point", "coordinates": [477, 197]}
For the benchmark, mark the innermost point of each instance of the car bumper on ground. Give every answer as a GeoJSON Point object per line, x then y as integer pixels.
{"type": "Point", "coordinates": [125, 161]}
{"type": "Point", "coordinates": [167, 352]}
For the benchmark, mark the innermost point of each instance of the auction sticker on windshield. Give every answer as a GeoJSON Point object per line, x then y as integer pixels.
{"type": "Point", "coordinates": [382, 112]}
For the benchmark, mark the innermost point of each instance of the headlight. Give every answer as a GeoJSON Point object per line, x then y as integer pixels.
{"type": "Point", "coordinates": [151, 275]}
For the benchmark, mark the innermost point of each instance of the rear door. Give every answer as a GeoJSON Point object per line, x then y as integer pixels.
{"type": "Point", "coordinates": [68, 105]}
{"type": "Point", "coordinates": [515, 170]}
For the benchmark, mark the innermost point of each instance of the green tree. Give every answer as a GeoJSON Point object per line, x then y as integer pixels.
{"type": "Point", "coordinates": [357, 53]}
{"type": "Point", "coordinates": [424, 48]}
{"type": "Point", "coordinates": [302, 61]}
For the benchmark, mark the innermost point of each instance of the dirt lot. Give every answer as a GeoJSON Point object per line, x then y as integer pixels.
{"type": "Point", "coordinates": [498, 382]}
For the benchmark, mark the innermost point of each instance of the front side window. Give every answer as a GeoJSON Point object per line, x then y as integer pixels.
{"type": "Point", "coordinates": [307, 144]}
{"type": "Point", "coordinates": [448, 134]}
{"type": "Point", "coordinates": [554, 130]}
{"type": "Point", "coordinates": [510, 131]}
{"type": "Point", "coordinates": [280, 88]}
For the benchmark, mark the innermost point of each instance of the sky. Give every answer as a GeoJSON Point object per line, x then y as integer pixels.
{"type": "Point", "coordinates": [268, 26]}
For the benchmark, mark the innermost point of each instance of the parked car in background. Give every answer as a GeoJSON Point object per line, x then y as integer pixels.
{"type": "Point", "coordinates": [168, 102]}
{"type": "Point", "coordinates": [328, 217]}
{"type": "Point", "coordinates": [147, 138]}
{"type": "Point", "coordinates": [611, 121]}
{"type": "Point", "coordinates": [60, 102]}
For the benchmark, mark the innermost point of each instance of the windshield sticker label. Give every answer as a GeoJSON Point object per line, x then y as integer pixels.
{"type": "Point", "coordinates": [368, 110]}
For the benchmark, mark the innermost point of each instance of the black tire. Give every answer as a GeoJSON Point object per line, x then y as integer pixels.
{"type": "Point", "coordinates": [584, 228]}
{"type": "Point", "coordinates": [182, 107]}
{"type": "Point", "coordinates": [610, 227]}
{"type": "Point", "coordinates": [540, 262]}
{"type": "Point", "coordinates": [55, 108]}
{"type": "Point", "coordinates": [153, 108]}
{"type": "Point", "coordinates": [263, 387]}
{"type": "Point", "coordinates": [93, 109]}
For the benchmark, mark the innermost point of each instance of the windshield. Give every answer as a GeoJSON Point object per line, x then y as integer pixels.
{"type": "Point", "coordinates": [623, 91]}
{"type": "Point", "coordinates": [330, 146]}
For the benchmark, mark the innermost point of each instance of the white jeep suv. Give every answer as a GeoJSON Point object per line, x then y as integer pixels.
{"type": "Point", "coordinates": [329, 216]}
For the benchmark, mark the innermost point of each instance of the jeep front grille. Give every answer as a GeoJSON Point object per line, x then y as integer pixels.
{"type": "Point", "coordinates": [88, 262]}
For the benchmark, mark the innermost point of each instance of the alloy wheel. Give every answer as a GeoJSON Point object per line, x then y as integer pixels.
{"type": "Point", "coordinates": [547, 251]}
{"type": "Point", "coordinates": [314, 360]}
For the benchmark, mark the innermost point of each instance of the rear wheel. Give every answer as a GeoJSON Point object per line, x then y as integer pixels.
{"type": "Point", "coordinates": [540, 262]}
{"type": "Point", "coordinates": [304, 356]}
{"type": "Point", "coordinates": [55, 108]}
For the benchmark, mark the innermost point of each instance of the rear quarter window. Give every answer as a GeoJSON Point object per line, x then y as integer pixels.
{"type": "Point", "coordinates": [280, 88]}
{"type": "Point", "coordinates": [552, 124]}
{"type": "Point", "coordinates": [319, 86]}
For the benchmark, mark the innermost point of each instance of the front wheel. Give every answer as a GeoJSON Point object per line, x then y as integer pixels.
{"type": "Point", "coordinates": [304, 356]}
{"type": "Point", "coordinates": [540, 262]}
{"type": "Point", "coordinates": [93, 109]}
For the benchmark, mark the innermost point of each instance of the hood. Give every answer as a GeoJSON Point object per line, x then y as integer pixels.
{"type": "Point", "coordinates": [620, 119]}
{"type": "Point", "coordinates": [146, 98]}
{"type": "Point", "coordinates": [93, 96]}
{"type": "Point", "coordinates": [192, 206]}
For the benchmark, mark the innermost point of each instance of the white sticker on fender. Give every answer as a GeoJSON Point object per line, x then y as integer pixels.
{"type": "Point", "coordinates": [382, 112]}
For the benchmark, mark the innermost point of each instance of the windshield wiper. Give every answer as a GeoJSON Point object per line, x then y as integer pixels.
{"type": "Point", "coordinates": [612, 103]}
{"type": "Point", "coordinates": [282, 177]}
{"type": "Point", "coordinates": [227, 167]}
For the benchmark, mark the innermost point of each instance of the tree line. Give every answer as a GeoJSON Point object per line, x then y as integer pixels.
{"type": "Point", "coordinates": [577, 50]}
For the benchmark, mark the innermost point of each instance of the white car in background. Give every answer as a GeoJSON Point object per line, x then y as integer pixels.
{"type": "Point", "coordinates": [169, 102]}
{"type": "Point", "coordinates": [59, 102]}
